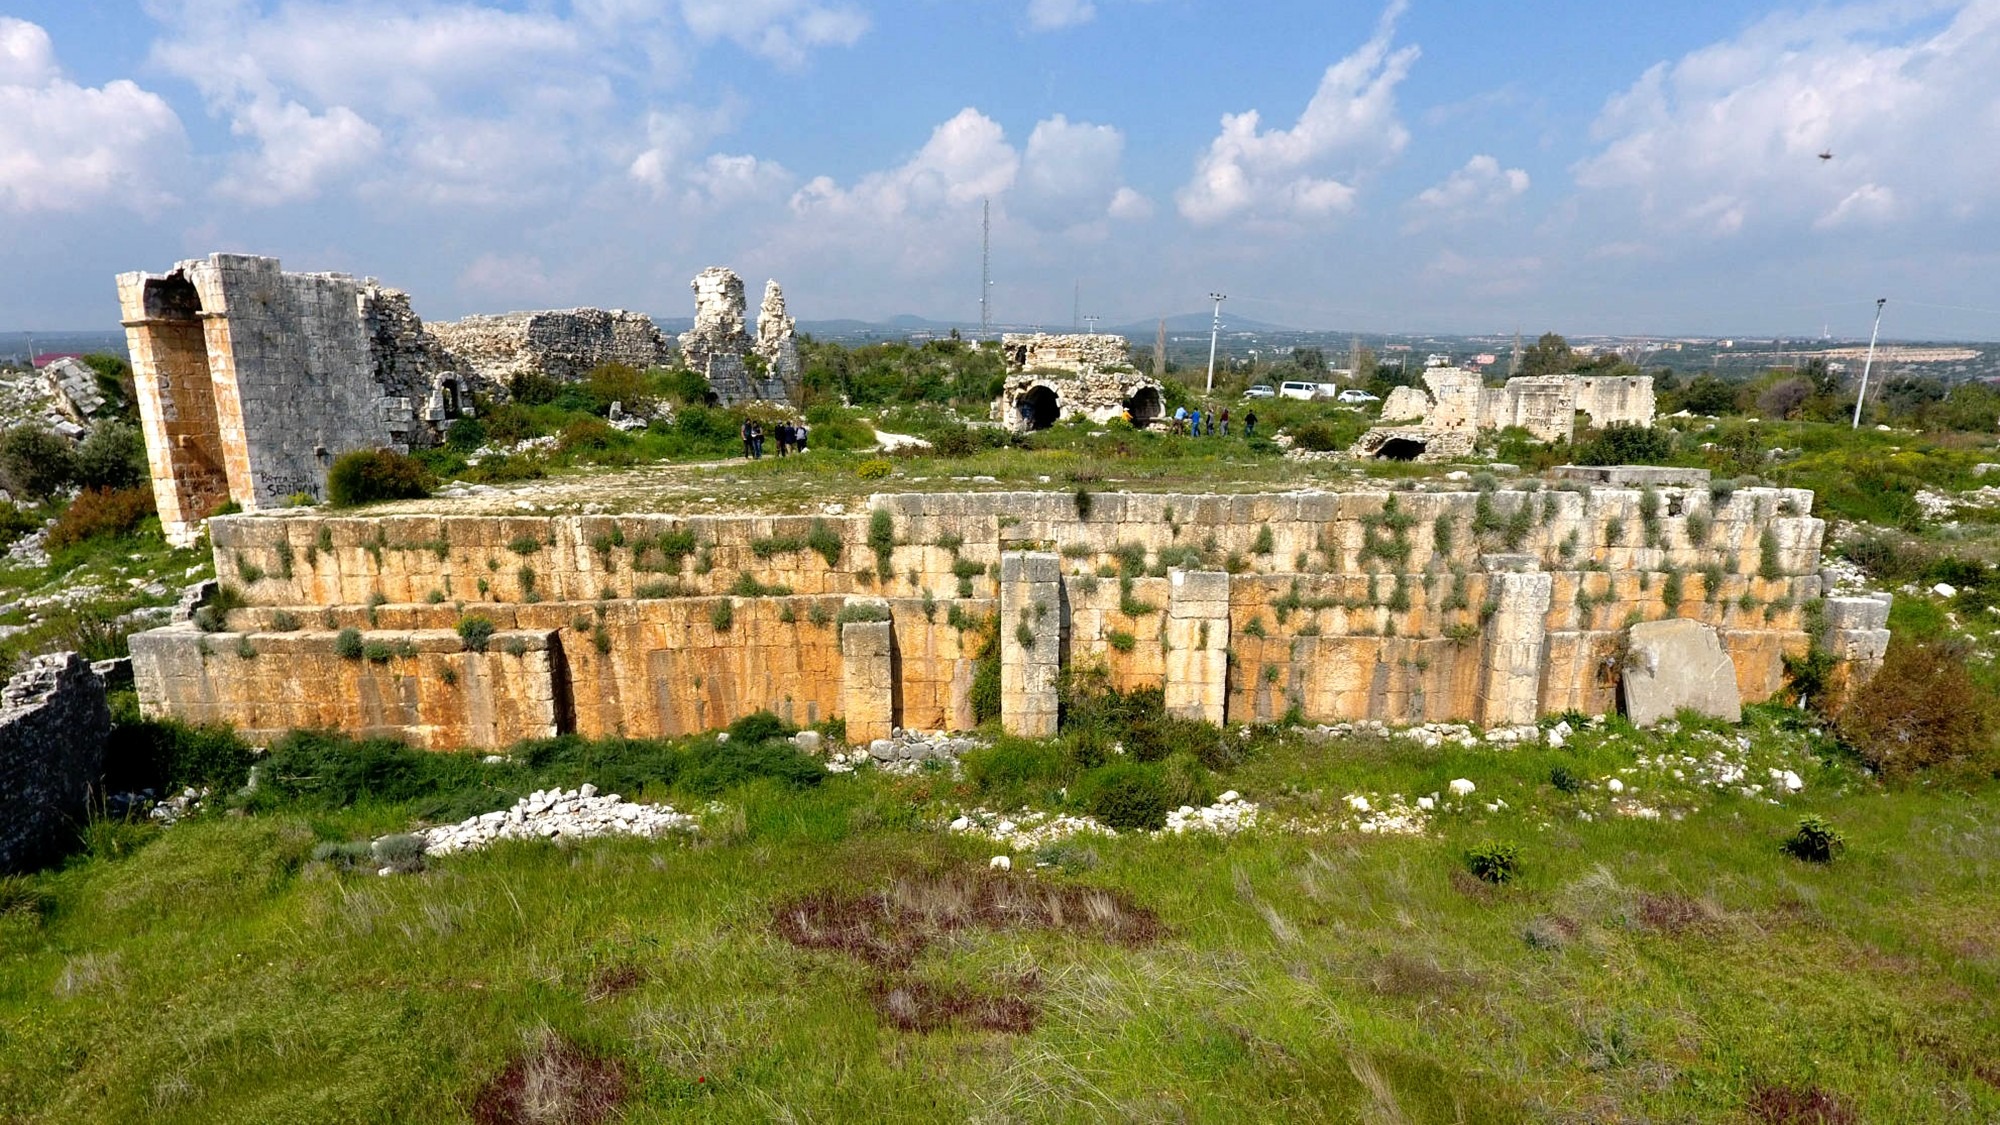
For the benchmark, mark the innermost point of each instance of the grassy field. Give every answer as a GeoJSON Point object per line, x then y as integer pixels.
{"type": "Point", "coordinates": [831, 951]}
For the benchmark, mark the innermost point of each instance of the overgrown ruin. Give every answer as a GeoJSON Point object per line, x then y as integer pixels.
{"type": "Point", "coordinates": [1089, 375]}
{"type": "Point", "coordinates": [1486, 606]}
{"type": "Point", "coordinates": [1444, 423]}
{"type": "Point", "coordinates": [251, 380]}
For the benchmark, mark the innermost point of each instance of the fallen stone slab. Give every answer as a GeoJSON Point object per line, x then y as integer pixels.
{"type": "Point", "coordinates": [1674, 664]}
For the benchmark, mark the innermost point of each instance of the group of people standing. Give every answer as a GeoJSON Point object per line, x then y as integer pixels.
{"type": "Point", "coordinates": [1190, 422]}
{"type": "Point", "coordinates": [791, 438]}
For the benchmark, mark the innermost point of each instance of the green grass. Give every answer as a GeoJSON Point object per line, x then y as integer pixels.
{"type": "Point", "coordinates": [1635, 969]}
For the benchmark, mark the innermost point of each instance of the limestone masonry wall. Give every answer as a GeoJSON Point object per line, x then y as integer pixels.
{"type": "Point", "coordinates": [562, 345]}
{"type": "Point", "coordinates": [1491, 607]}
{"type": "Point", "coordinates": [53, 723]}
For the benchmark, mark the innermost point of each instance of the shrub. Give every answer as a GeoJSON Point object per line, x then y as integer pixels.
{"type": "Point", "coordinates": [1814, 841]}
{"type": "Point", "coordinates": [368, 475]}
{"type": "Point", "coordinates": [1316, 436]}
{"type": "Point", "coordinates": [954, 441]}
{"type": "Point", "coordinates": [1624, 443]}
{"type": "Point", "coordinates": [759, 726]}
{"type": "Point", "coordinates": [882, 541]}
{"type": "Point", "coordinates": [1565, 780]}
{"type": "Point", "coordinates": [1126, 795]}
{"type": "Point", "coordinates": [1923, 710]}
{"type": "Point", "coordinates": [723, 616]}
{"type": "Point", "coordinates": [213, 616]}
{"type": "Point", "coordinates": [853, 612]}
{"type": "Point", "coordinates": [1011, 764]}
{"type": "Point", "coordinates": [587, 435]}
{"type": "Point", "coordinates": [347, 644]}
{"type": "Point", "coordinates": [34, 463]}
{"type": "Point", "coordinates": [466, 435]}
{"type": "Point", "coordinates": [475, 632]}
{"type": "Point", "coordinates": [875, 468]}
{"type": "Point", "coordinates": [1494, 862]}
{"type": "Point", "coordinates": [113, 456]}
{"type": "Point", "coordinates": [101, 513]}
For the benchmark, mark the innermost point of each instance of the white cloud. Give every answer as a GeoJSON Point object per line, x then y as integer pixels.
{"type": "Point", "coordinates": [1480, 188]}
{"type": "Point", "coordinates": [966, 159]}
{"type": "Point", "coordinates": [780, 30]}
{"type": "Point", "coordinates": [1727, 138]}
{"type": "Point", "coordinates": [1049, 15]}
{"type": "Point", "coordinates": [1069, 172]}
{"type": "Point", "coordinates": [65, 147]}
{"type": "Point", "coordinates": [1130, 206]}
{"type": "Point", "coordinates": [1308, 172]}
{"type": "Point", "coordinates": [298, 151]}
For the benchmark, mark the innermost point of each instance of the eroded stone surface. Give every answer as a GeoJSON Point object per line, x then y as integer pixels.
{"type": "Point", "coordinates": [719, 348]}
{"type": "Point", "coordinates": [562, 345]}
{"type": "Point", "coordinates": [1052, 378]}
{"type": "Point", "coordinates": [1679, 663]}
{"type": "Point", "coordinates": [1440, 421]}
{"type": "Point", "coordinates": [53, 723]}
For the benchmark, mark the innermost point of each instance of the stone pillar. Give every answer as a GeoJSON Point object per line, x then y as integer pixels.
{"type": "Point", "coordinates": [1030, 642]}
{"type": "Point", "coordinates": [867, 680]}
{"type": "Point", "coordinates": [1857, 634]}
{"type": "Point", "coordinates": [1197, 684]}
{"type": "Point", "coordinates": [1516, 635]}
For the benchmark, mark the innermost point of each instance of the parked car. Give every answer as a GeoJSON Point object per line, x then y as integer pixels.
{"type": "Point", "coordinates": [1357, 396]}
{"type": "Point", "coordinates": [1298, 390]}
{"type": "Point", "coordinates": [1261, 390]}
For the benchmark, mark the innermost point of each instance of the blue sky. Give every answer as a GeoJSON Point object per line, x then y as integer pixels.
{"type": "Point", "coordinates": [1417, 166]}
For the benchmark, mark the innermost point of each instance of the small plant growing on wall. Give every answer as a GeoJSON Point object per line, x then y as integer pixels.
{"type": "Point", "coordinates": [347, 644]}
{"type": "Point", "coordinates": [474, 632]}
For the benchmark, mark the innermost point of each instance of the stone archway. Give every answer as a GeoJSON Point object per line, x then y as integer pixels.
{"type": "Point", "coordinates": [1144, 406]}
{"type": "Point", "coordinates": [1037, 408]}
{"type": "Point", "coordinates": [1400, 449]}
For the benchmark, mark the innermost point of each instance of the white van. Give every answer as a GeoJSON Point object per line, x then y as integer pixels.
{"type": "Point", "coordinates": [1298, 390]}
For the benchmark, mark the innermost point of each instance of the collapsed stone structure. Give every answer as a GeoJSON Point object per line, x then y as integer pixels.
{"type": "Point", "coordinates": [562, 345]}
{"type": "Point", "coordinates": [739, 369]}
{"type": "Point", "coordinates": [1051, 378]}
{"type": "Point", "coordinates": [252, 380]}
{"type": "Point", "coordinates": [1490, 607]}
{"type": "Point", "coordinates": [53, 724]}
{"type": "Point", "coordinates": [1445, 422]}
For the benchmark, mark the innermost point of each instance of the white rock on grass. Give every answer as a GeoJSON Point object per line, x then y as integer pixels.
{"type": "Point", "coordinates": [1462, 787]}
{"type": "Point", "coordinates": [1001, 863]}
{"type": "Point", "coordinates": [557, 815]}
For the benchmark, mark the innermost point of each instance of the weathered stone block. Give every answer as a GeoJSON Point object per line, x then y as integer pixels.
{"type": "Point", "coordinates": [1674, 664]}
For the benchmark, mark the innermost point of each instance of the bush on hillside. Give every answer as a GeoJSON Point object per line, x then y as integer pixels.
{"type": "Point", "coordinates": [1923, 711]}
{"type": "Point", "coordinates": [1624, 443]}
{"type": "Point", "coordinates": [35, 463]}
{"type": "Point", "coordinates": [1126, 795]}
{"type": "Point", "coordinates": [167, 756]}
{"type": "Point", "coordinates": [368, 475]}
{"type": "Point", "coordinates": [113, 456]}
{"type": "Point", "coordinates": [1316, 436]}
{"type": "Point", "coordinates": [101, 513]}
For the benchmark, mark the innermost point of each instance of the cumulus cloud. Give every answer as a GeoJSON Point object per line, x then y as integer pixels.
{"type": "Point", "coordinates": [1069, 173]}
{"type": "Point", "coordinates": [1308, 172]}
{"type": "Point", "coordinates": [1480, 188]}
{"type": "Point", "coordinates": [1727, 138]}
{"type": "Point", "coordinates": [66, 147]}
{"type": "Point", "coordinates": [1049, 15]}
{"type": "Point", "coordinates": [298, 150]}
{"type": "Point", "coordinates": [966, 159]}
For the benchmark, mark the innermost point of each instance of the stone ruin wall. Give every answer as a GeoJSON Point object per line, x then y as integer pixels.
{"type": "Point", "coordinates": [1074, 352]}
{"type": "Point", "coordinates": [1090, 375]}
{"type": "Point", "coordinates": [1458, 403]}
{"type": "Point", "coordinates": [640, 625]}
{"type": "Point", "coordinates": [53, 723]}
{"type": "Point", "coordinates": [738, 368]}
{"type": "Point", "coordinates": [251, 380]}
{"type": "Point", "coordinates": [563, 345]}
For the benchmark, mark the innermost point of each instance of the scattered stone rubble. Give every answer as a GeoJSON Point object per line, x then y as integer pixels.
{"type": "Point", "coordinates": [557, 814]}
{"type": "Point", "coordinates": [1030, 829]}
{"type": "Point", "coordinates": [903, 752]}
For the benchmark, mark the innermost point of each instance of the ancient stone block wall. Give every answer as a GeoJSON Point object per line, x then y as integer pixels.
{"type": "Point", "coordinates": [53, 723]}
{"type": "Point", "coordinates": [1492, 607]}
{"type": "Point", "coordinates": [252, 380]}
{"type": "Point", "coordinates": [1616, 399]}
{"type": "Point", "coordinates": [563, 344]}
{"type": "Point", "coordinates": [1073, 352]}
{"type": "Point", "coordinates": [1441, 419]}
{"type": "Point", "coordinates": [737, 368]}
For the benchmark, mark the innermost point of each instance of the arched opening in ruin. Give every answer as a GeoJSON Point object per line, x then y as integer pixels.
{"type": "Point", "coordinates": [1037, 408]}
{"type": "Point", "coordinates": [179, 393]}
{"type": "Point", "coordinates": [1400, 449]}
{"type": "Point", "coordinates": [1144, 406]}
{"type": "Point", "coordinates": [448, 391]}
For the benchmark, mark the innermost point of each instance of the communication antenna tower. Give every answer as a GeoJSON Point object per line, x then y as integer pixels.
{"type": "Point", "coordinates": [1214, 332]}
{"type": "Point", "coordinates": [985, 267]}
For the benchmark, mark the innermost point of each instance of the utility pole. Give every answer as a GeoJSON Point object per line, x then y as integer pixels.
{"type": "Point", "coordinates": [1870, 364]}
{"type": "Point", "coordinates": [1090, 324]}
{"type": "Point", "coordinates": [985, 267]}
{"type": "Point", "coordinates": [1160, 351]}
{"type": "Point", "coordinates": [1076, 307]}
{"type": "Point", "coordinates": [1214, 333]}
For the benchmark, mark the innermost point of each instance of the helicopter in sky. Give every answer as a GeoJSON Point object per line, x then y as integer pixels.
{"type": "Point", "coordinates": [1826, 154]}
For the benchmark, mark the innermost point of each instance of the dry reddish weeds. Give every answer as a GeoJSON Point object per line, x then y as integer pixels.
{"type": "Point", "coordinates": [553, 1082]}
{"type": "Point", "coordinates": [1673, 914]}
{"type": "Point", "coordinates": [915, 1005]}
{"type": "Point", "coordinates": [1796, 1105]}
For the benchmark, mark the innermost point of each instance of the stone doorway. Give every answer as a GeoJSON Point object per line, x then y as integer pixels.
{"type": "Point", "coordinates": [1037, 408]}
{"type": "Point", "coordinates": [1144, 406]}
{"type": "Point", "coordinates": [1400, 449]}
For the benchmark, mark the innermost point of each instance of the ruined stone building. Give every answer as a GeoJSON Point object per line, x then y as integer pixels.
{"type": "Point", "coordinates": [252, 380]}
{"type": "Point", "coordinates": [1051, 378]}
{"type": "Point", "coordinates": [1345, 606]}
{"type": "Point", "coordinates": [563, 345]}
{"type": "Point", "coordinates": [1442, 420]}
{"type": "Point", "coordinates": [738, 368]}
